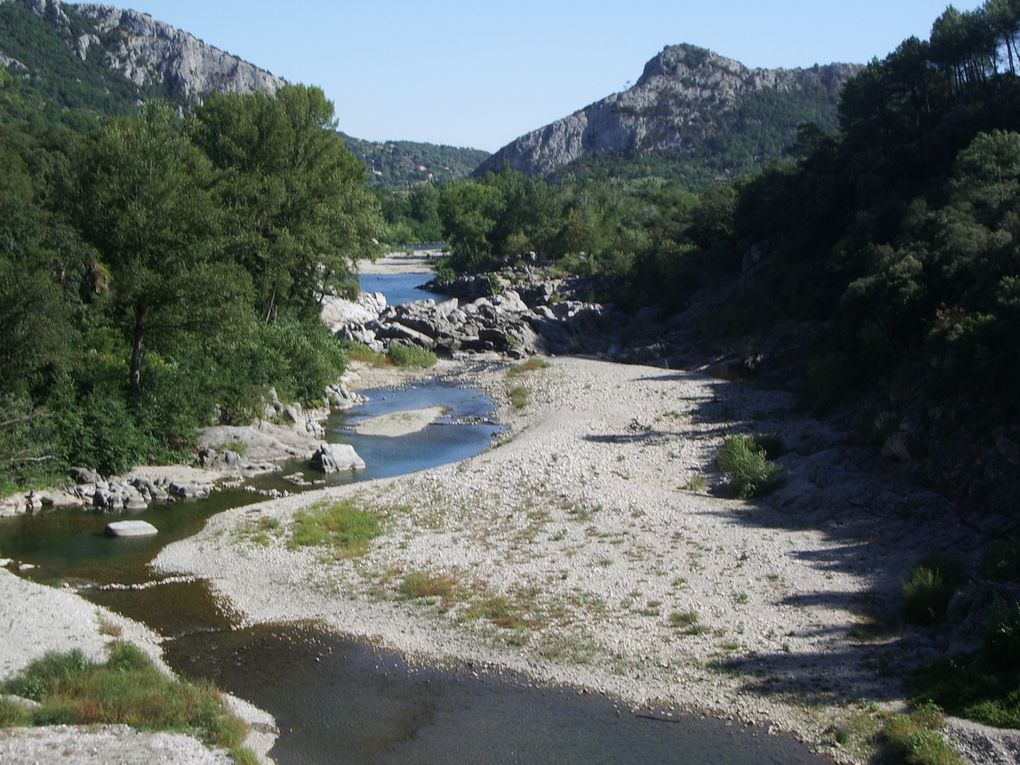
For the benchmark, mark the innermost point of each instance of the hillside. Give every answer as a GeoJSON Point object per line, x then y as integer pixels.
{"type": "Point", "coordinates": [701, 114]}
{"type": "Point", "coordinates": [403, 163]}
{"type": "Point", "coordinates": [73, 62]}
{"type": "Point", "coordinates": [76, 64]}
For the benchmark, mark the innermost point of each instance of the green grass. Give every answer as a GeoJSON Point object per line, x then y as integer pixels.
{"type": "Point", "coordinates": [518, 396]}
{"type": "Point", "coordinates": [127, 690]}
{"type": "Point", "coordinates": [686, 622]}
{"type": "Point", "coordinates": [531, 365]}
{"type": "Point", "coordinates": [418, 584]}
{"type": "Point", "coordinates": [499, 610]}
{"type": "Point", "coordinates": [913, 739]}
{"type": "Point", "coordinates": [362, 353]}
{"type": "Point", "coordinates": [409, 356]}
{"type": "Point", "coordinates": [745, 465]}
{"type": "Point", "coordinates": [343, 528]}
{"type": "Point", "coordinates": [927, 591]}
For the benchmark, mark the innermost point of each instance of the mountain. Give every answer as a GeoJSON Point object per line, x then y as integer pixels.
{"type": "Point", "coordinates": [76, 64]}
{"type": "Point", "coordinates": [104, 60]}
{"type": "Point", "coordinates": [690, 106]}
{"type": "Point", "coordinates": [401, 163]}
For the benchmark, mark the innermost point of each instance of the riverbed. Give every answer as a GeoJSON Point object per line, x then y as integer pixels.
{"type": "Point", "coordinates": [340, 699]}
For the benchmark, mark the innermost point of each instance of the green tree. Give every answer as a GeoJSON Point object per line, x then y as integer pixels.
{"type": "Point", "coordinates": [299, 214]}
{"type": "Point", "coordinates": [145, 203]}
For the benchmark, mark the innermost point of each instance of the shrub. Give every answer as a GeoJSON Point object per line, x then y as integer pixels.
{"type": "Point", "coordinates": [407, 356]}
{"type": "Point", "coordinates": [127, 690]}
{"type": "Point", "coordinates": [927, 591]}
{"type": "Point", "coordinates": [519, 397]}
{"type": "Point", "coordinates": [343, 528]}
{"type": "Point", "coordinates": [914, 739]}
{"type": "Point", "coordinates": [1002, 564]}
{"type": "Point", "coordinates": [364, 354]}
{"type": "Point", "coordinates": [531, 365]}
{"type": "Point", "coordinates": [745, 465]}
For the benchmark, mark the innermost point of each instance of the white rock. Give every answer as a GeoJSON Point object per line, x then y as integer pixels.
{"type": "Point", "coordinates": [130, 529]}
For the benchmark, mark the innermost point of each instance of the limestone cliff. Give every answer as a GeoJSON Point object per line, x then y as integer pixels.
{"type": "Point", "coordinates": [155, 56]}
{"type": "Point", "coordinates": [685, 97]}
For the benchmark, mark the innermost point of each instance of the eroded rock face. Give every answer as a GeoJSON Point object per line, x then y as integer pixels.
{"type": "Point", "coordinates": [685, 94]}
{"type": "Point", "coordinates": [152, 53]}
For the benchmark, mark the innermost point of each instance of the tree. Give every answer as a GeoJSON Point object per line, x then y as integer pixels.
{"type": "Point", "coordinates": [145, 203]}
{"type": "Point", "coordinates": [300, 215]}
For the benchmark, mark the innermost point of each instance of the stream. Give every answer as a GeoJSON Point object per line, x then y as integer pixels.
{"type": "Point", "coordinates": [341, 700]}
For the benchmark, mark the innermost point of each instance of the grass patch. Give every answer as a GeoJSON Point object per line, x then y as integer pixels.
{"type": "Point", "coordinates": [499, 610]}
{"type": "Point", "coordinates": [259, 531]}
{"type": "Point", "coordinates": [411, 356]}
{"type": "Point", "coordinates": [531, 365]}
{"type": "Point", "coordinates": [127, 690]}
{"type": "Point", "coordinates": [344, 528]}
{"type": "Point", "coordinates": [914, 738]}
{"type": "Point", "coordinates": [928, 589]}
{"type": "Point", "coordinates": [745, 465]}
{"type": "Point", "coordinates": [518, 396]}
{"type": "Point", "coordinates": [697, 484]}
{"type": "Point", "coordinates": [687, 623]}
{"type": "Point", "coordinates": [364, 354]}
{"type": "Point", "coordinates": [418, 584]}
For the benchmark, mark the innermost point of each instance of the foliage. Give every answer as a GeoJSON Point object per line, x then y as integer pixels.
{"type": "Point", "coordinates": [343, 528]}
{"type": "Point", "coordinates": [417, 584]}
{"type": "Point", "coordinates": [127, 690]}
{"type": "Point", "coordinates": [929, 588]}
{"type": "Point", "coordinates": [518, 396]}
{"type": "Point", "coordinates": [745, 465]}
{"type": "Point", "coordinates": [525, 367]}
{"type": "Point", "coordinates": [406, 163]}
{"type": "Point", "coordinates": [158, 274]}
{"type": "Point", "coordinates": [914, 739]}
{"type": "Point", "coordinates": [408, 356]}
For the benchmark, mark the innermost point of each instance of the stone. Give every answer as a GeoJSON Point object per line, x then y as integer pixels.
{"type": "Point", "coordinates": [333, 458]}
{"type": "Point", "coordinates": [130, 529]}
{"type": "Point", "coordinates": [82, 475]}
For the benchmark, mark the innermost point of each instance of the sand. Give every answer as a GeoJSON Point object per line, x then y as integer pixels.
{"type": "Point", "coordinates": [400, 423]}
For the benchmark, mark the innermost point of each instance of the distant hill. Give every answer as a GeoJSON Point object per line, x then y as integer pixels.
{"type": "Point", "coordinates": [77, 64]}
{"type": "Point", "coordinates": [402, 163]}
{"type": "Point", "coordinates": [692, 114]}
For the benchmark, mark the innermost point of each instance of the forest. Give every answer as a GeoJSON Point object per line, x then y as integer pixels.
{"type": "Point", "coordinates": [160, 273]}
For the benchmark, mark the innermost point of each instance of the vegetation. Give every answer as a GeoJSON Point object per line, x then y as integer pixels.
{"type": "Point", "coordinates": [396, 164]}
{"type": "Point", "coordinates": [531, 365]}
{"type": "Point", "coordinates": [928, 590]}
{"type": "Point", "coordinates": [344, 528]}
{"type": "Point", "coordinates": [914, 739]}
{"type": "Point", "coordinates": [518, 396]}
{"type": "Point", "coordinates": [127, 690]}
{"type": "Point", "coordinates": [411, 356]}
{"type": "Point", "coordinates": [417, 584]}
{"type": "Point", "coordinates": [160, 274]}
{"type": "Point", "coordinates": [745, 465]}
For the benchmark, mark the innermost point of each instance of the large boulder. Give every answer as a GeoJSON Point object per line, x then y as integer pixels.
{"type": "Point", "coordinates": [130, 529]}
{"type": "Point", "coordinates": [334, 458]}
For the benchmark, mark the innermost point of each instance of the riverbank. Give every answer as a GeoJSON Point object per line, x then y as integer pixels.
{"type": "Point", "coordinates": [576, 552]}
{"type": "Point", "coordinates": [43, 619]}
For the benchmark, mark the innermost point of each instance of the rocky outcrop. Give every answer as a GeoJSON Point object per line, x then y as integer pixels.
{"type": "Point", "coordinates": [154, 55]}
{"type": "Point", "coordinates": [685, 95]}
{"type": "Point", "coordinates": [130, 529]}
{"type": "Point", "coordinates": [336, 458]}
{"type": "Point", "coordinates": [526, 315]}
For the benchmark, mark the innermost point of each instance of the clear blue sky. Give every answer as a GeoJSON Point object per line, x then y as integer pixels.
{"type": "Point", "coordinates": [481, 73]}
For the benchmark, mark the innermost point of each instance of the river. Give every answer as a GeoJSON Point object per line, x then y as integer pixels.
{"type": "Point", "coordinates": [340, 700]}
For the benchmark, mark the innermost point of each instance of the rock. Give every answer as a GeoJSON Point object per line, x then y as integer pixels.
{"type": "Point", "coordinates": [82, 475]}
{"type": "Point", "coordinates": [130, 529]}
{"type": "Point", "coordinates": [184, 490]}
{"type": "Point", "coordinates": [333, 458]}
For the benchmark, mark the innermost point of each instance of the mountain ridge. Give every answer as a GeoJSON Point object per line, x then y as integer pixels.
{"type": "Point", "coordinates": [685, 97]}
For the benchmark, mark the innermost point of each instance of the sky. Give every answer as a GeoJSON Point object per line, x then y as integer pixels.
{"type": "Point", "coordinates": [477, 73]}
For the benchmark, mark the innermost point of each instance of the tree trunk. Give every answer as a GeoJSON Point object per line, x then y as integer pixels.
{"type": "Point", "coordinates": [137, 351]}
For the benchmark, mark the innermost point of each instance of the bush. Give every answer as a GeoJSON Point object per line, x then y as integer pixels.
{"type": "Point", "coordinates": [1002, 564]}
{"type": "Point", "coordinates": [745, 465]}
{"type": "Point", "coordinates": [927, 591]}
{"type": "Point", "coordinates": [408, 356]}
{"type": "Point", "coordinates": [518, 397]}
{"type": "Point", "coordinates": [914, 738]}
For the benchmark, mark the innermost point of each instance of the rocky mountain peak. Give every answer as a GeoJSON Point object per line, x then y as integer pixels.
{"type": "Point", "coordinates": [685, 100]}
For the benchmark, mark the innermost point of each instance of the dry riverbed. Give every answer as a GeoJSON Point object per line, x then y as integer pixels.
{"type": "Point", "coordinates": [588, 547]}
